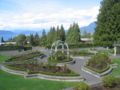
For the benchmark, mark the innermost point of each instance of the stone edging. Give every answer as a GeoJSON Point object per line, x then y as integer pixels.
{"type": "Point", "coordinates": [42, 76]}
{"type": "Point", "coordinates": [98, 75]}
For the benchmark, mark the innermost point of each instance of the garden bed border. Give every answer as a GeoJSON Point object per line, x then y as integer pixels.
{"type": "Point", "coordinates": [43, 76]}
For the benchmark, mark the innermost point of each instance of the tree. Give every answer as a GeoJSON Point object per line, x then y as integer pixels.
{"type": "Point", "coordinates": [62, 33]}
{"type": "Point", "coordinates": [51, 36]}
{"type": "Point", "coordinates": [43, 38]}
{"type": "Point", "coordinates": [73, 34]}
{"type": "Point", "coordinates": [36, 39]}
{"type": "Point", "coordinates": [108, 25]}
{"type": "Point", "coordinates": [31, 39]}
{"type": "Point", "coordinates": [2, 39]}
{"type": "Point", "coordinates": [21, 39]}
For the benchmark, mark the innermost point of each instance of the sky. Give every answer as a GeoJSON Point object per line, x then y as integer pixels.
{"type": "Point", "coordinates": [42, 14]}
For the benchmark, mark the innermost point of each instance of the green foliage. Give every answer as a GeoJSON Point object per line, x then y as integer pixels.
{"type": "Point", "coordinates": [99, 62]}
{"type": "Point", "coordinates": [34, 39]}
{"type": "Point", "coordinates": [51, 36]}
{"type": "Point", "coordinates": [81, 53]}
{"type": "Point", "coordinates": [73, 34]}
{"type": "Point", "coordinates": [21, 39]}
{"type": "Point", "coordinates": [55, 34]}
{"type": "Point", "coordinates": [109, 81]}
{"type": "Point", "coordinates": [108, 25]}
{"type": "Point", "coordinates": [82, 86]}
{"type": "Point", "coordinates": [7, 48]}
{"type": "Point", "coordinates": [59, 57]}
{"type": "Point", "coordinates": [43, 39]}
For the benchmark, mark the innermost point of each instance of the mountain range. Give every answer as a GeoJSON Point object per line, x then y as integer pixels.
{"type": "Point", "coordinates": [89, 29]}
{"type": "Point", "coordinates": [7, 34]}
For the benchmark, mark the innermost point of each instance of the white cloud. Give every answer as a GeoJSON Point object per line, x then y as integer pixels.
{"type": "Point", "coordinates": [45, 20]}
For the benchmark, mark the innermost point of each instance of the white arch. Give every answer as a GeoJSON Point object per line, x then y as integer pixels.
{"type": "Point", "coordinates": [59, 43]}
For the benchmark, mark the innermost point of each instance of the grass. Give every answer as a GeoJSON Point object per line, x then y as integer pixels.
{"type": "Point", "coordinates": [3, 58]}
{"type": "Point", "coordinates": [116, 71]}
{"type": "Point", "coordinates": [13, 82]}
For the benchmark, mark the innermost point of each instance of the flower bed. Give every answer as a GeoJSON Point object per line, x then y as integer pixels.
{"type": "Point", "coordinates": [29, 64]}
{"type": "Point", "coordinates": [99, 63]}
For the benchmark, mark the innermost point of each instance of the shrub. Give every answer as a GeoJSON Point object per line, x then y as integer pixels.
{"type": "Point", "coordinates": [99, 62]}
{"type": "Point", "coordinates": [59, 57]}
{"type": "Point", "coordinates": [81, 53]}
{"type": "Point", "coordinates": [10, 47]}
{"type": "Point", "coordinates": [109, 81]}
{"type": "Point", "coordinates": [82, 86]}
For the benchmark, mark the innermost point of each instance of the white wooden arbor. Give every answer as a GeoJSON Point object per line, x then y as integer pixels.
{"type": "Point", "coordinates": [64, 45]}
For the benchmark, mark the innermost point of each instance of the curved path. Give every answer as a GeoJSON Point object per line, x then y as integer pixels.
{"type": "Point", "coordinates": [77, 67]}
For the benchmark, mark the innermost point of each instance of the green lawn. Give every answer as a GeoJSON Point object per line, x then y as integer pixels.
{"type": "Point", "coordinates": [3, 58]}
{"type": "Point", "coordinates": [13, 82]}
{"type": "Point", "coordinates": [116, 71]}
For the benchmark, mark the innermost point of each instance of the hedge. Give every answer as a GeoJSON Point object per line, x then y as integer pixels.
{"type": "Point", "coordinates": [6, 48]}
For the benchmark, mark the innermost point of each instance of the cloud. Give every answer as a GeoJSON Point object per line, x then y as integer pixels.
{"type": "Point", "coordinates": [47, 19]}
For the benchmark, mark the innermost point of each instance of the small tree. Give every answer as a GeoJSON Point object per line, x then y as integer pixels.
{"type": "Point", "coordinates": [21, 39]}
{"type": "Point", "coordinates": [82, 86]}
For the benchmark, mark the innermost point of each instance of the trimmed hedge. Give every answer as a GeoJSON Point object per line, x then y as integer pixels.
{"type": "Point", "coordinates": [6, 48]}
{"type": "Point", "coordinates": [81, 53]}
{"type": "Point", "coordinates": [78, 45]}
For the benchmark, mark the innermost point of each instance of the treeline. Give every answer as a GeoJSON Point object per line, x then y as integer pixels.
{"type": "Point", "coordinates": [71, 36]}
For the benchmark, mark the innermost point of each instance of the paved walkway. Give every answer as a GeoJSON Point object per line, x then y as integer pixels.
{"type": "Point", "coordinates": [89, 79]}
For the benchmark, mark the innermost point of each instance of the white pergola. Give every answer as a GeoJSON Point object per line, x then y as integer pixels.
{"type": "Point", "coordinates": [55, 45]}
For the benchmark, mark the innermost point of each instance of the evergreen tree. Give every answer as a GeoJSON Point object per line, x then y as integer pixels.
{"type": "Point", "coordinates": [51, 36]}
{"type": "Point", "coordinates": [2, 39]}
{"type": "Point", "coordinates": [43, 38]}
{"type": "Point", "coordinates": [73, 34]}
{"type": "Point", "coordinates": [31, 40]}
{"type": "Point", "coordinates": [62, 33]}
{"type": "Point", "coordinates": [108, 25]}
{"type": "Point", "coordinates": [58, 33]}
{"type": "Point", "coordinates": [36, 39]}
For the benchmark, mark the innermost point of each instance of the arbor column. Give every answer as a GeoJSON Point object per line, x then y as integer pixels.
{"type": "Point", "coordinates": [115, 51]}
